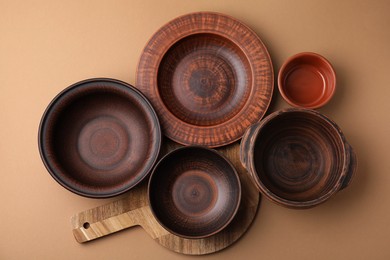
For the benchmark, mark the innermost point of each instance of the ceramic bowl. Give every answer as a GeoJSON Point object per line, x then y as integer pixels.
{"type": "Point", "coordinates": [99, 137]}
{"type": "Point", "coordinates": [298, 158]}
{"type": "Point", "coordinates": [194, 192]}
{"type": "Point", "coordinates": [203, 72]}
{"type": "Point", "coordinates": [307, 80]}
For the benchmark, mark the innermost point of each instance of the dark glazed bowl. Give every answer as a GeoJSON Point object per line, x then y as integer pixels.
{"type": "Point", "coordinates": [99, 138]}
{"type": "Point", "coordinates": [298, 158]}
{"type": "Point", "coordinates": [203, 72]}
{"type": "Point", "coordinates": [307, 80]}
{"type": "Point", "coordinates": [194, 192]}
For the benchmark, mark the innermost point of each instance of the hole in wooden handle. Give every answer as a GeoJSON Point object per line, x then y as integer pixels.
{"type": "Point", "coordinates": [86, 225]}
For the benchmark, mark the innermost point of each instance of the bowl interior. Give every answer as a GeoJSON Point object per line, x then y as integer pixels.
{"type": "Point", "coordinates": [307, 80]}
{"type": "Point", "coordinates": [298, 157]}
{"type": "Point", "coordinates": [204, 79]}
{"type": "Point", "coordinates": [194, 192]}
{"type": "Point", "coordinates": [99, 138]}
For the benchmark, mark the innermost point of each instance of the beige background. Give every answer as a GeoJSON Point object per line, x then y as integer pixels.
{"type": "Point", "coordinates": [47, 45]}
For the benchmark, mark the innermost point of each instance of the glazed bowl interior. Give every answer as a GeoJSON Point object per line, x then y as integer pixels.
{"type": "Point", "coordinates": [194, 192]}
{"type": "Point", "coordinates": [307, 80]}
{"type": "Point", "coordinates": [99, 138]}
{"type": "Point", "coordinates": [298, 157]}
{"type": "Point", "coordinates": [204, 79]}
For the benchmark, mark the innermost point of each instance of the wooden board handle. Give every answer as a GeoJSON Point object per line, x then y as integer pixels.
{"type": "Point", "coordinates": [134, 210]}
{"type": "Point", "coordinates": [88, 231]}
{"type": "Point", "coordinates": [116, 216]}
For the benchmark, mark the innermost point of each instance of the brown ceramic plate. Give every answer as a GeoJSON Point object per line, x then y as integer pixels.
{"type": "Point", "coordinates": [99, 137]}
{"type": "Point", "coordinates": [194, 192]}
{"type": "Point", "coordinates": [208, 76]}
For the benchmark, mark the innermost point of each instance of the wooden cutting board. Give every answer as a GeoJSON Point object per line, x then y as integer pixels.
{"type": "Point", "coordinates": [134, 210]}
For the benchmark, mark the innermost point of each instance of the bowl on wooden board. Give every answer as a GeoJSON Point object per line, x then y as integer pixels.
{"type": "Point", "coordinates": [204, 72]}
{"type": "Point", "coordinates": [194, 192]}
{"type": "Point", "coordinates": [99, 137]}
{"type": "Point", "coordinates": [307, 80]}
{"type": "Point", "coordinates": [297, 158]}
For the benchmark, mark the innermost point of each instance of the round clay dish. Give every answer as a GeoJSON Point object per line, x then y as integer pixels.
{"type": "Point", "coordinates": [307, 80]}
{"type": "Point", "coordinates": [194, 192]}
{"type": "Point", "coordinates": [300, 158]}
{"type": "Point", "coordinates": [99, 137]}
{"type": "Point", "coordinates": [203, 73]}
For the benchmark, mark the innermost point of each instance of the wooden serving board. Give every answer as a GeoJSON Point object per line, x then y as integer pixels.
{"type": "Point", "coordinates": [134, 210]}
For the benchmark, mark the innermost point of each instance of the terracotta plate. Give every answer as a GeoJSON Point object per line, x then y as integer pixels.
{"type": "Point", "coordinates": [99, 137]}
{"type": "Point", "coordinates": [208, 76]}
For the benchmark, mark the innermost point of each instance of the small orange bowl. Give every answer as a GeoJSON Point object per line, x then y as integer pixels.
{"type": "Point", "coordinates": [307, 80]}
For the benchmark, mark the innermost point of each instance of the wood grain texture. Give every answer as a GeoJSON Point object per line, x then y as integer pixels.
{"type": "Point", "coordinates": [134, 210]}
{"type": "Point", "coordinates": [208, 76]}
{"type": "Point", "coordinates": [298, 158]}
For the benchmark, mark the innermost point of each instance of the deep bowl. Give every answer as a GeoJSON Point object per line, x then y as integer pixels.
{"type": "Point", "coordinates": [99, 137]}
{"type": "Point", "coordinates": [307, 80]}
{"type": "Point", "coordinates": [194, 192]}
{"type": "Point", "coordinates": [203, 72]}
{"type": "Point", "coordinates": [298, 158]}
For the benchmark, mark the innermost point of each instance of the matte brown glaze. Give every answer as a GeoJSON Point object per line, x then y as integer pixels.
{"type": "Point", "coordinates": [307, 80]}
{"type": "Point", "coordinates": [99, 137]}
{"type": "Point", "coordinates": [298, 158]}
{"type": "Point", "coordinates": [194, 192]}
{"type": "Point", "coordinates": [208, 76]}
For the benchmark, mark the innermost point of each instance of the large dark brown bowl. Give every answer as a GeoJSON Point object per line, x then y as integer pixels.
{"type": "Point", "coordinates": [194, 192]}
{"type": "Point", "coordinates": [99, 137]}
{"type": "Point", "coordinates": [298, 158]}
{"type": "Point", "coordinates": [203, 73]}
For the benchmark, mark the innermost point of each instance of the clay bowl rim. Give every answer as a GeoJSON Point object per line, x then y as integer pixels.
{"type": "Point", "coordinates": [216, 153]}
{"type": "Point", "coordinates": [234, 120]}
{"type": "Point", "coordinates": [292, 203]}
{"type": "Point", "coordinates": [132, 90]}
{"type": "Point", "coordinates": [314, 104]}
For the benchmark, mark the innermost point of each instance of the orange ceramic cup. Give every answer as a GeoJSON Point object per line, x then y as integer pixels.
{"type": "Point", "coordinates": [307, 80]}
